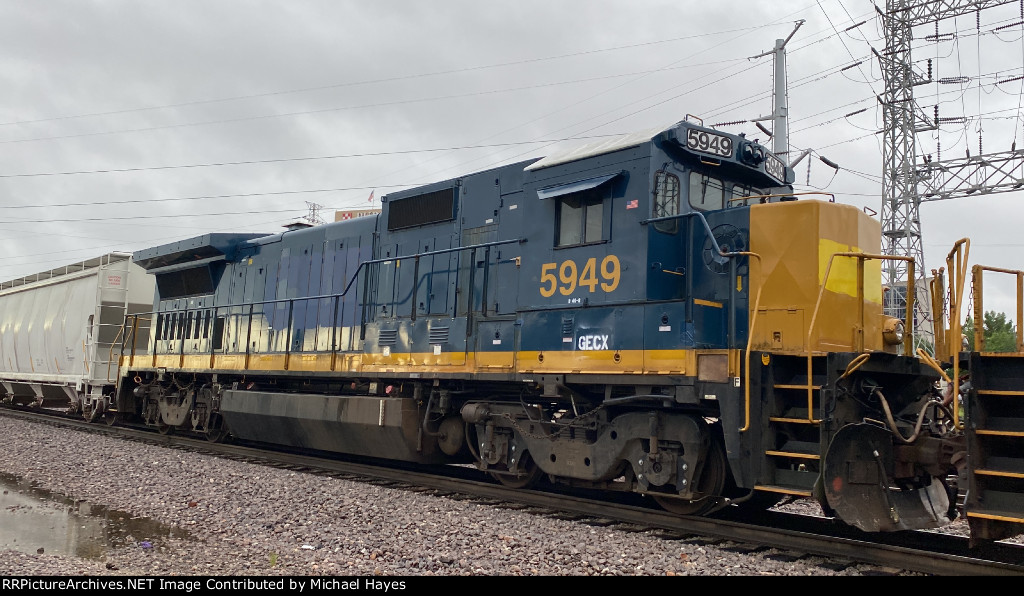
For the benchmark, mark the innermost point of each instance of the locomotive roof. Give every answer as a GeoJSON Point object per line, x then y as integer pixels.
{"type": "Point", "coordinates": [603, 146]}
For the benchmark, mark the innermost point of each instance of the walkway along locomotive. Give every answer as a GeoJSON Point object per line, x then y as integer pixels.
{"type": "Point", "coordinates": [657, 313]}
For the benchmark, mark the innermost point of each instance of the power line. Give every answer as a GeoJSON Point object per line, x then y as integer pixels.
{"type": "Point", "coordinates": [296, 159]}
{"type": "Point", "coordinates": [374, 81]}
{"type": "Point", "coordinates": [133, 217]}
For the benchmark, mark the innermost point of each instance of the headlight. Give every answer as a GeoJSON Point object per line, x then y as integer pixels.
{"type": "Point", "coordinates": [892, 331]}
{"type": "Point", "coordinates": [752, 154]}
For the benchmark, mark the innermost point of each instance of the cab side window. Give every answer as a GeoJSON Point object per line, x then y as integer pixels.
{"type": "Point", "coordinates": [666, 201]}
{"type": "Point", "coordinates": [581, 217]}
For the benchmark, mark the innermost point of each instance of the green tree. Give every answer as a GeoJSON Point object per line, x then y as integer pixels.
{"type": "Point", "coordinates": [1000, 332]}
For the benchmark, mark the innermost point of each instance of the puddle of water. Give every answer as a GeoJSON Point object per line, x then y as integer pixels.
{"type": "Point", "coordinates": [33, 519]}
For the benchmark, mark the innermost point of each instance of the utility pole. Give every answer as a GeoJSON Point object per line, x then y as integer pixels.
{"type": "Point", "coordinates": [780, 101]}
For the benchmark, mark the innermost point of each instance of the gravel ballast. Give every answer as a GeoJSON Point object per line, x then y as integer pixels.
{"type": "Point", "coordinates": [245, 519]}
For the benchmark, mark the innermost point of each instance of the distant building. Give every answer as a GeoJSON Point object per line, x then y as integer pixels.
{"type": "Point", "coordinates": [298, 224]}
{"type": "Point", "coordinates": [923, 297]}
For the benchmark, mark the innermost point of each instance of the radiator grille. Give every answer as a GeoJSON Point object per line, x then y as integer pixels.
{"type": "Point", "coordinates": [387, 337]}
{"type": "Point", "coordinates": [432, 207]}
{"type": "Point", "coordinates": [438, 335]}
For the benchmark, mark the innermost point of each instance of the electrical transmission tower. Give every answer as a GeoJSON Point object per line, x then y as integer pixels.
{"type": "Point", "coordinates": [902, 177]}
{"type": "Point", "coordinates": [313, 216]}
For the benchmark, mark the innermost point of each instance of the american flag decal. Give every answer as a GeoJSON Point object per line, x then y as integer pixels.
{"type": "Point", "coordinates": [633, 204]}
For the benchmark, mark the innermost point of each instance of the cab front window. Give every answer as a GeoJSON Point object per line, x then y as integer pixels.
{"type": "Point", "coordinates": [741, 195]}
{"type": "Point", "coordinates": [707, 193]}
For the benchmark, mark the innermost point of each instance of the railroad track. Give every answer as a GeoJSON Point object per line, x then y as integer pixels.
{"type": "Point", "coordinates": [795, 535]}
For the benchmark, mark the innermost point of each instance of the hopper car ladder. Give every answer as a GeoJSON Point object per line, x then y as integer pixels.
{"type": "Point", "coordinates": [994, 426]}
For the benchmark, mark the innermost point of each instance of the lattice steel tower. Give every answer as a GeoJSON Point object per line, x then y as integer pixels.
{"type": "Point", "coordinates": [902, 177]}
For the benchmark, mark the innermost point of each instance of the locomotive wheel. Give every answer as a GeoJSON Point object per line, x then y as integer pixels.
{"type": "Point", "coordinates": [215, 429]}
{"type": "Point", "coordinates": [529, 474]}
{"type": "Point", "coordinates": [710, 484]}
{"type": "Point", "coordinates": [165, 429]}
{"type": "Point", "coordinates": [112, 418]}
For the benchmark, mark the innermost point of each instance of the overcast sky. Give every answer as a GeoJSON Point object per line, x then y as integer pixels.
{"type": "Point", "coordinates": [122, 122]}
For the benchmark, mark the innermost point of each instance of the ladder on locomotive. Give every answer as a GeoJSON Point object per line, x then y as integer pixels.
{"type": "Point", "coordinates": [792, 406]}
{"type": "Point", "coordinates": [792, 426]}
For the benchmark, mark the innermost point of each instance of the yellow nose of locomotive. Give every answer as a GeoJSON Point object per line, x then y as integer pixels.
{"type": "Point", "coordinates": [800, 243]}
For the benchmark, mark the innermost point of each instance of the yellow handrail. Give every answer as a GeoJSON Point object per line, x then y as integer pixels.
{"type": "Point", "coordinates": [787, 194]}
{"type": "Point", "coordinates": [979, 332]}
{"type": "Point", "coordinates": [958, 268]}
{"type": "Point", "coordinates": [110, 356]}
{"type": "Point", "coordinates": [750, 339]}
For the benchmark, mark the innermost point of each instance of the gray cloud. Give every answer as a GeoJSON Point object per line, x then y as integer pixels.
{"type": "Point", "coordinates": [311, 78]}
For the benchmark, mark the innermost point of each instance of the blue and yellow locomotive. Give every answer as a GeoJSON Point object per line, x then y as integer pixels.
{"type": "Point", "coordinates": [656, 313]}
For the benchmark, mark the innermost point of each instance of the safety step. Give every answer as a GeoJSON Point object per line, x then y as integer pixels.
{"type": "Point", "coordinates": [1000, 433]}
{"type": "Point", "coordinates": [793, 455]}
{"type": "Point", "coordinates": [1005, 467]}
{"type": "Point", "coordinates": [1015, 517]}
{"type": "Point", "coordinates": [794, 416]}
{"type": "Point", "coordinates": [1000, 392]}
{"type": "Point", "coordinates": [793, 420]}
{"type": "Point", "coordinates": [1001, 425]}
{"type": "Point", "coordinates": [999, 473]}
{"type": "Point", "coordinates": [794, 445]}
{"type": "Point", "coordinates": [998, 505]}
{"type": "Point", "coordinates": [785, 490]}
{"type": "Point", "coordinates": [1001, 354]}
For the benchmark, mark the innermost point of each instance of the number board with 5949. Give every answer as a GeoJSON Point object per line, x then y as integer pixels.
{"type": "Point", "coordinates": [709, 142]}
{"type": "Point", "coordinates": [775, 168]}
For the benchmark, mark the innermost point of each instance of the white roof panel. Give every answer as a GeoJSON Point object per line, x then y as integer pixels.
{"type": "Point", "coordinates": [599, 147]}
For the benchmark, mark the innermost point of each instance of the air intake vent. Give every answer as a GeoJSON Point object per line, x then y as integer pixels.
{"type": "Point", "coordinates": [388, 337]}
{"type": "Point", "coordinates": [567, 326]}
{"type": "Point", "coordinates": [438, 335]}
{"type": "Point", "coordinates": [432, 207]}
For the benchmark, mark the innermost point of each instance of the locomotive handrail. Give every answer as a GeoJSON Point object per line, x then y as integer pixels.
{"type": "Point", "coordinates": [110, 356]}
{"type": "Point", "coordinates": [979, 324]}
{"type": "Point", "coordinates": [750, 338]}
{"type": "Point", "coordinates": [959, 271]}
{"type": "Point", "coordinates": [422, 254]}
{"type": "Point", "coordinates": [721, 257]}
{"type": "Point", "coordinates": [787, 194]}
{"type": "Point", "coordinates": [927, 359]}
{"type": "Point", "coordinates": [707, 228]}
{"type": "Point", "coordinates": [979, 313]}
{"type": "Point", "coordinates": [937, 291]}
{"type": "Point", "coordinates": [133, 334]}
{"type": "Point", "coordinates": [861, 257]}
{"type": "Point", "coordinates": [335, 297]}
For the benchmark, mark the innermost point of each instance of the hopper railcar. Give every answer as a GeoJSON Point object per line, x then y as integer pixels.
{"type": "Point", "coordinates": [59, 332]}
{"type": "Point", "coordinates": [657, 313]}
